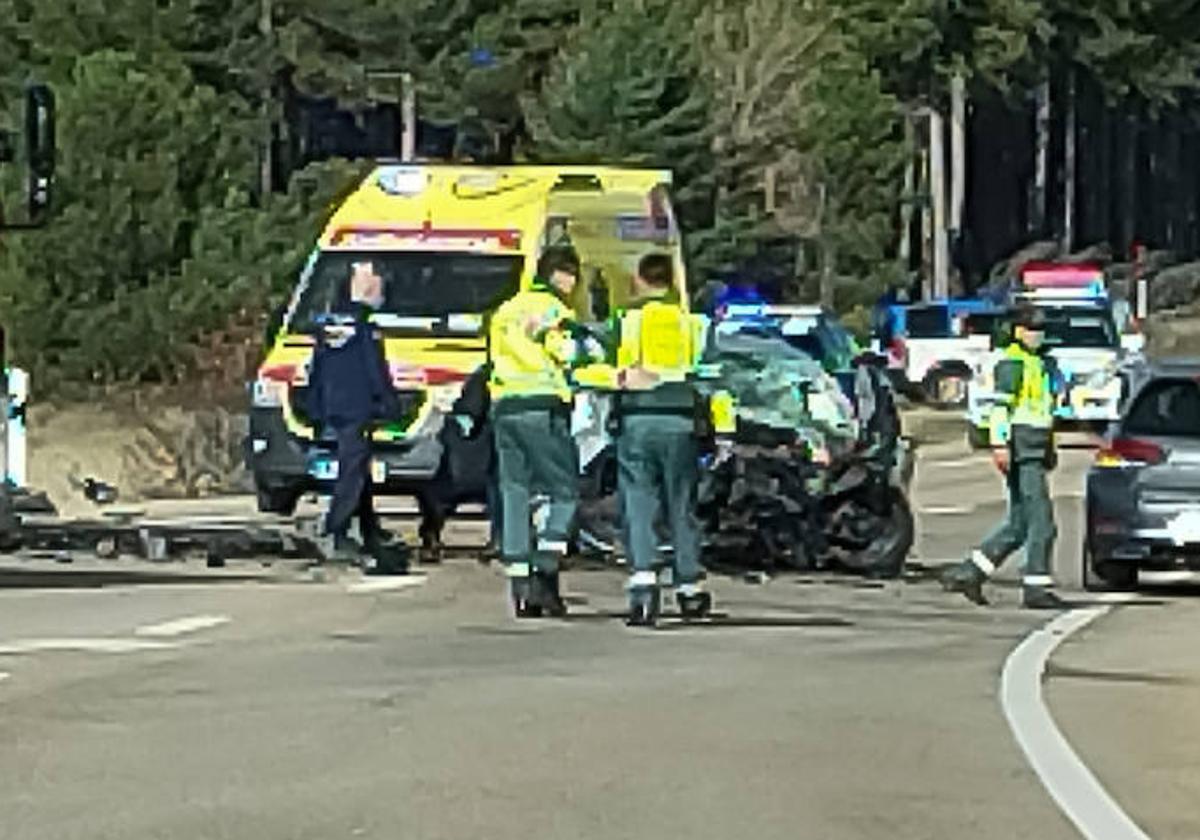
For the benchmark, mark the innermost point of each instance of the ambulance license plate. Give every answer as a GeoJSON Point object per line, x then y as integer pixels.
{"type": "Point", "coordinates": [379, 471]}
{"type": "Point", "coordinates": [328, 471]}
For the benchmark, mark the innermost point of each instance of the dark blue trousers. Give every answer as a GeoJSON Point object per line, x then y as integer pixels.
{"type": "Point", "coordinates": [353, 494]}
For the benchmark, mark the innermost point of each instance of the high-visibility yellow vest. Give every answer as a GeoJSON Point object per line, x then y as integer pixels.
{"type": "Point", "coordinates": [661, 337]}
{"type": "Point", "coordinates": [1024, 394]}
{"type": "Point", "coordinates": [531, 347]}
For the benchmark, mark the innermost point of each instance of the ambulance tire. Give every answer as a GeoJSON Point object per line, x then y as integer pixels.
{"type": "Point", "coordinates": [277, 500]}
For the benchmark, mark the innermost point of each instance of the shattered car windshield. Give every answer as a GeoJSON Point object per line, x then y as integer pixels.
{"type": "Point", "coordinates": [766, 375]}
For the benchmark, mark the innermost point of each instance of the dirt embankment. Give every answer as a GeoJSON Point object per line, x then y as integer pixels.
{"type": "Point", "coordinates": [148, 444]}
{"type": "Point", "coordinates": [1175, 333]}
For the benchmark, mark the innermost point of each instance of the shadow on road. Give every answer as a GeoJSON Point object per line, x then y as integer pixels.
{"type": "Point", "coordinates": [716, 621]}
{"type": "Point", "coordinates": [31, 579]}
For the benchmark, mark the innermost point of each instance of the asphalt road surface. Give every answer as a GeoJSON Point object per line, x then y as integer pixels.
{"type": "Point", "coordinates": [813, 707]}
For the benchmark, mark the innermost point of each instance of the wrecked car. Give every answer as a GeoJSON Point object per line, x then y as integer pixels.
{"type": "Point", "coordinates": [814, 478]}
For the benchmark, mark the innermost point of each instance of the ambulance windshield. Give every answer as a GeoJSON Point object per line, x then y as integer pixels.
{"type": "Point", "coordinates": [430, 287]}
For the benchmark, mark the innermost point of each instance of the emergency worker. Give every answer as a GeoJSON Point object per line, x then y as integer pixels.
{"type": "Point", "coordinates": [533, 344]}
{"type": "Point", "coordinates": [1027, 384]}
{"type": "Point", "coordinates": [658, 411]}
{"type": "Point", "coordinates": [350, 388]}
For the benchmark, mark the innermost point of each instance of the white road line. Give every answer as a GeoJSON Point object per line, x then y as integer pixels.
{"type": "Point", "coordinates": [1068, 780]}
{"type": "Point", "coordinates": [948, 510]}
{"type": "Point", "coordinates": [181, 626]}
{"type": "Point", "coordinates": [100, 645]}
{"type": "Point", "coordinates": [391, 584]}
{"type": "Point", "coordinates": [958, 462]}
{"type": "Point", "coordinates": [1167, 577]}
{"type": "Point", "coordinates": [4, 675]}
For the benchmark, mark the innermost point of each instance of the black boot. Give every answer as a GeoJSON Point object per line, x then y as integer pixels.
{"type": "Point", "coordinates": [545, 593]}
{"type": "Point", "coordinates": [1041, 598]}
{"type": "Point", "coordinates": [967, 579]}
{"type": "Point", "coordinates": [431, 553]}
{"type": "Point", "coordinates": [388, 559]}
{"type": "Point", "coordinates": [693, 605]}
{"type": "Point", "coordinates": [520, 590]}
{"type": "Point", "coordinates": [643, 607]}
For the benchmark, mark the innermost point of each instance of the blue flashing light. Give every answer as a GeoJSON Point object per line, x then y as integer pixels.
{"type": "Point", "coordinates": [746, 310]}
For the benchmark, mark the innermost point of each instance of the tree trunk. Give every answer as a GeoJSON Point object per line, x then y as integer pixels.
{"type": "Point", "coordinates": [1069, 167]}
{"type": "Point", "coordinates": [828, 255]}
{"type": "Point", "coordinates": [408, 146]}
{"type": "Point", "coordinates": [926, 222]}
{"type": "Point", "coordinates": [267, 30]}
{"type": "Point", "coordinates": [828, 271]}
{"type": "Point", "coordinates": [1127, 200]}
{"type": "Point", "coordinates": [937, 189]}
{"type": "Point", "coordinates": [1037, 205]}
{"type": "Point", "coordinates": [904, 251]}
{"type": "Point", "coordinates": [958, 151]}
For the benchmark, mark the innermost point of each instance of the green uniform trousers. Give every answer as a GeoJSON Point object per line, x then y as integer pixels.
{"type": "Point", "coordinates": [658, 462]}
{"type": "Point", "coordinates": [1029, 523]}
{"type": "Point", "coordinates": [535, 452]}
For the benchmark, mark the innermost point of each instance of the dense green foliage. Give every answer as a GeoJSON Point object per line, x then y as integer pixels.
{"type": "Point", "coordinates": [160, 236]}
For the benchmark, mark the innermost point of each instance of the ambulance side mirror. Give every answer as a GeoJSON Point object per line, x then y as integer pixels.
{"type": "Point", "coordinates": [40, 149]}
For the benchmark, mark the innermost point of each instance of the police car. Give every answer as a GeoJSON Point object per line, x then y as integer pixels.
{"type": "Point", "coordinates": [1081, 335]}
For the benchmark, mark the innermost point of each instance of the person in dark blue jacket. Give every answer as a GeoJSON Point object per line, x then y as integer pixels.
{"type": "Point", "coordinates": [350, 389]}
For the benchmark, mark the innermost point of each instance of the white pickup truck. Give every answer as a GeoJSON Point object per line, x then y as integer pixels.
{"type": "Point", "coordinates": [938, 347]}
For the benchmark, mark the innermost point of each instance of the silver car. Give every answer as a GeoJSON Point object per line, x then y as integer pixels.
{"type": "Point", "coordinates": [1143, 491]}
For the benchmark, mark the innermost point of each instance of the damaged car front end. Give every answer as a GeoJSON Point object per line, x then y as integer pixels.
{"type": "Point", "coordinates": [807, 482]}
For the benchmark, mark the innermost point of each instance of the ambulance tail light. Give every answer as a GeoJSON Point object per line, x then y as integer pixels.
{"type": "Point", "coordinates": [436, 376]}
{"type": "Point", "coordinates": [414, 376]}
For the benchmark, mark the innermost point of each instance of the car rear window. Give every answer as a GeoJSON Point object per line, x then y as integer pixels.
{"type": "Point", "coordinates": [1166, 408]}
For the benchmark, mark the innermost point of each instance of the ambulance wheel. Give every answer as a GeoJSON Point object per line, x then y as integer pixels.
{"type": "Point", "coordinates": [278, 500]}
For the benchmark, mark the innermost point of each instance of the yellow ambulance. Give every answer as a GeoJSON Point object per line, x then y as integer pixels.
{"type": "Point", "coordinates": [451, 242]}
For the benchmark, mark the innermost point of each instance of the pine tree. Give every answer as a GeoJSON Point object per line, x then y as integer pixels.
{"type": "Point", "coordinates": [807, 144]}
{"type": "Point", "coordinates": [624, 89]}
